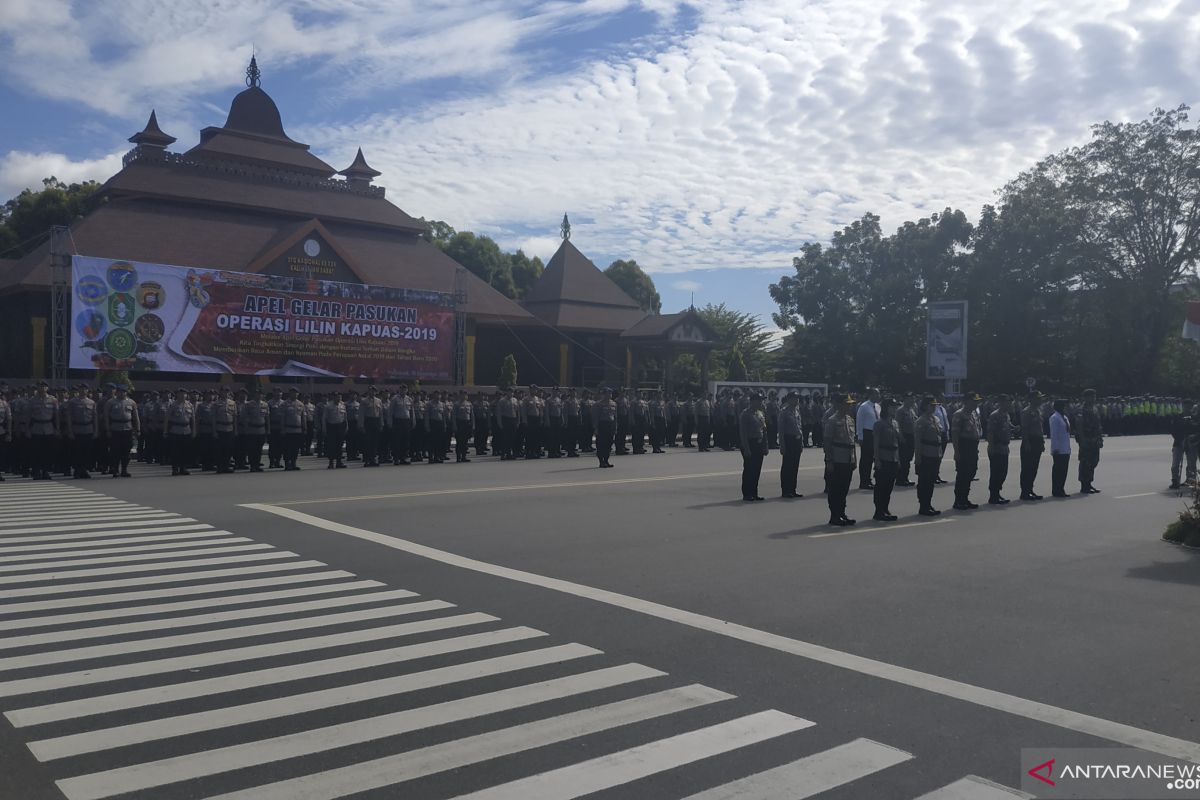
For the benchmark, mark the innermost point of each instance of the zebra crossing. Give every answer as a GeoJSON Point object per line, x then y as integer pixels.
{"type": "Point", "coordinates": [155, 656]}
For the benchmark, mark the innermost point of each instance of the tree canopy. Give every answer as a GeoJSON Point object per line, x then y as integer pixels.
{"type": "Point", "coordinates": [1070, 276]}
{"type": "Point", "coordinates": [634, 281]}
{"type": "Point", "coordinates": [27, 218]}
{"type": "Point", "coordinates": [511, 274]}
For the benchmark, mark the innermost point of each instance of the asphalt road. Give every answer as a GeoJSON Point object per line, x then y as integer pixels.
{"type": "Point", "coordinates": [630, 633]}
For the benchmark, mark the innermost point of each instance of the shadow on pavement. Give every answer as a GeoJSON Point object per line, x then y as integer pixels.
{"type": "Point", "coordinates": [1185, 570]}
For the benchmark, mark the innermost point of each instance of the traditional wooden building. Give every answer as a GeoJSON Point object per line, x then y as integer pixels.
{"type": "Point", "coordinates": [249, 198]}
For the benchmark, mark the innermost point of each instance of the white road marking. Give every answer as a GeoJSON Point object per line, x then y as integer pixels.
{"type": "Point", "coordinates": [156, 543]}
{"type": "Point", "coordinates": [1131, 496]}
{"type": "Point", "coordinates": [619, 768]}
{"type": "Point", "coordinates": [881, 528]}
{"type": "Point", "coordinates": [142, 581]}
{"type": "Point", "coordinates": [225, 759]}
{"type": "Point", "coordinates": [211, 658]}
{"type": "Point", "coordinates": [988, 698]}
{"type": "Point", "coordinates": [207, 618]}
{"type": "Point", "coordinates": [169, 727]}
{"type": "Point", "coordinates": [811, 775]}
{"type": "Point", "coordinates": [217, 636]}
{"type": "Point", "coordinates": [91, 601]}
{"type": "Point", "coordinates": [64, 579]}
{"type": "Point", "coordinates": [137, 512]}
{"type": "Point", "coordinates": [138, 698]}
{"type": "Point", "coordinates": [975, 788]}
{"type": "Point", "coordinates": [96, 546]}
{"type": "Point", "coordinates": [32, 567]}
{"type": "Point", "coordinates": [222, 601]}
{"type": "Point", "coordinates": [401, 767]}
{"type": "Point", "coordinates": [91, 526]}
{"type": "Point", "coordinates": [85, 538]}
{"type": "Point", "coordinates": [97, 505]}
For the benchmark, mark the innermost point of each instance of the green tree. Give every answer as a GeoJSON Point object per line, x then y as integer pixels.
{"type": "Point", "coordinates": [508, 372]}
{"type": "Point", "coordinates": [634, 281]}
{"type": "Point", "coordinates": [482, 256]}
{"type": "Point", "coordinates": [743, 332]}
{"type": "Point", "coordinates": [735, 366]}
{"type": "Point", "coordinates": [26, 218]}
{"type": "Point", "coordinates": [436, 231]}
{"type": "Point", "coordinates": [525, 271]}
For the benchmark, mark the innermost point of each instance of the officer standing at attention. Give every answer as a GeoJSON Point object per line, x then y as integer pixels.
{"type": "Point", "coordinates": [275, 434]}
{"type": "Point", "coordinates": [838, 440]}
{"type": "Point", "coordinates": [928, 455]}
{"type": "Point", "coordinates": [371, 419]}
{"type": "Point", "coordinates": [1090, 438]}
{"type": "Point", "coordinates": [864, 431]}
{"type": "Point", "coordinates": [225, 422]}
{"type": "Point", "coordinates": [1033, 444]}
{"type": "Point", "coordinates": [752, 437]}
{"type": "Point", "coordinates": [256, 421]}
{"type": "Point", "coordinates": [965, 434]}
{"type": "Point", "coordinates": [464, 424]}
{"type": "Point", "coordinates": [887, 455]}
{"type": "Point", "coordinates": [295, 418]}
{"type": "Point", "coordinates": [1060, 448]}
{"type": "Point", "coordinates": [181, 432]}
{"type": "Point", "coordinates": [658, 422]}
{"type": "Point", "coordinates": [122, 422]}
{"type": "Point", "coordinates": [435, 423]}
{"type": "Point", "coordinates": [353, 431]}
{"type": "Point", "coordinates": [532, 409]}
{"type": "Point", "coordinates": [6, 431]}
{"type": "Point", "coordinates": [400, 411]}
{"type": "Point", "coordinates": [704, 415]}
{"type": "Point", "coordinates": [555, 426]}
{"type": "Point", "coordinates": [906, 418]}
{"type": "Point", "coordinates": [507, 414]}
{"type": "Point", "coordinates": [772, 414]}
{"type": "Point", "coordinates": [791, 444]}
{"type": "Point", "coordinates": [605, 412]}
{"type": "Point", "coordinates": [82, 430]}
{"type": "Point", "coordinates": [999, 434]}
{"type": "Point", "coordinates": [482, 412]}
{"type": "Point", "coordinates": [43, 431]}
{"type": "Point", "coordinates": [333, 429]}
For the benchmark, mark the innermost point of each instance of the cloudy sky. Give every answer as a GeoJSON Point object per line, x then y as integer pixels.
{"type": "Point", "coordinates": [707, 139]}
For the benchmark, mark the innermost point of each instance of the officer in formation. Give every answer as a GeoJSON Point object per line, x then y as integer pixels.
{"type": "Point", "coordinates": [1185, 442]}
{"type": "Point", "coordinates": [752, 437]}
{"type": "Point", "coordinates": [838, 439]}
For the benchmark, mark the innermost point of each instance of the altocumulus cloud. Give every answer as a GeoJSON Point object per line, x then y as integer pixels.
{"type": "Point", "coordinates": [764, 124]}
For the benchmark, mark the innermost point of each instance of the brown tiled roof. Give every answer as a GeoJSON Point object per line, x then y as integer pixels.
{"type": "Point", "coordinates": [143, 230]}
{"type": "Point", "coordinates": [584, 316]}
{"type": "Point", "coordinates": [225, 187]}
{"type": "Point", "coordinates": [224, 144]}
{"type": "Point", "coordinates": [656, 326]}
{"type": "Point", "coordinates": [574, 293]}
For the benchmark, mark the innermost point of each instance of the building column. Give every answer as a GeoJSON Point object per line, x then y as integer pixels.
{"type": "Point", "coordinates": [470, 376]}
{"type": "Point", "coordinates": [38, 364]}
{"type": "Point", "coordinates": [564, 360]}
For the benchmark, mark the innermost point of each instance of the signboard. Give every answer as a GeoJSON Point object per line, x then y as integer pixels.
{"type": "Point", "coordinates": [780, 389]}
{"type": "Point", "coordinates": [152, 317]}
{"type": "Point", "coordinates": [946, 340]}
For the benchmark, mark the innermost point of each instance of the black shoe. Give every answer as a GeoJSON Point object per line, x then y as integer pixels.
{"type": "Point", "coordinates": [998, 501]}
{"type": "Point", "coordinates": [841, 522]}
{"type": "Point", "coordinates": [961, 507]}
{"type": "Point", "coordinates": [885, 518]}
{"type": "Point", "coordinates": [1060, 494]}
{"type": "Point", "coordinates": [1175, 486]}
{"type": "Point", "coordinates": [866, 486]}
{"type": "Point", "coordinates": [1090, 489]}
{"type": "Point", "coordinates": [756, 497]}
{"type": "Point", "coordinates": [938, 481]}
{"type": "Point", "coordinates": [929, 512]}
{"type": "Point", "coordinates": [747, 499]}
{"type": "Point", "coordinates": [790, 495]}
{"type": "Point", "coordinates": [330, 465]}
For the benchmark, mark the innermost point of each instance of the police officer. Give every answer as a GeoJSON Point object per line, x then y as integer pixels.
{"type": "Point", "coordinates": [400, 417]}
{"type": "Point", "coordinates": [887, 459]}
{"type": "Point", "coordinates": [256, 422]}
{"type": "Point", "coordinates": [507, 416]}
{"type": "Point", "coordinates": [840, 457]}
{"type": "Point", "coordinates": [1089, 435]}
{"type": "Point", "coordinates": [122, 423]}
{"type": "Point", "coordinates": [464, 424]}
{"type": "Point", "coordinates": [82, 431]}
{"type": "Point", "coordinates": [6, 431]}
{"type": "Point", "coordinates": [181, 432]}
{"type": "Point", "coordinates": [555, 425]}
{"type": "Point", "coordinates": [928, 455]}
{"type": "Point", "coordinates": [999, 434]}
{"type": "Point", "coordinates": [965, 434]}
{"type": "Point", "coordinates": [43, 431]}
{"type": "Point", "coordinates": [791, 443]}
{"type": "Point", "coordinates": [704, 414]}
{"type": "Point", "coordinates": [572, 427]}
{"type": "Point", "coordinates": [605, 411]}
{"type": "Point", "coordinates": [371, 421]}
{"type": "Point", "coordinates": [752, 436]}
{"type": "Point", "coordinates": [482, 412]}
{"type": "Point", "coordinates": [225, 422]}
{"type": "Point", "coordinates": [435, 423]}
{"type": "Point", "coordinates": [1033, 444]}
{"type": "Point", "coordinates": [294, 412]}
{"type": "Point", "coordinates": [906, 418]}
{"type": "Point", "coordinates": [333, 421]}
{"type": "Point", "coordinates": [531, 415]}
{"type": "Point", "coordinates": [275, 430]}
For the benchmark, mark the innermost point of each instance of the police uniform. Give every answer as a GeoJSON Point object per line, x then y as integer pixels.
{"type": "Point", "coordinates": [965, 433]}
{"type": "Point", "coordinates": [275, 435]}
{"type": "Point", "coordinates": [334, 417]}
{"type": "Point", "coordinates": [82, 430]}
{"type": "Point", "coordinates": [6, 436]}
{"type": "Point", "coordinates": [531, 414]}
{"type": "Point", "coordinates": [554, 426]}
{"type": "Point", "coordinates": [482, 412]}
{"type": "Point", "coordinates": [464, 424]}
{"type": "Point", "coordinates": [43, 433]}
{"type": "Point", "coordinates": [752, 437]}
{"type": "Point", "coordinates": [400, 416]}
{"type": "Point", "coordinates": [704, 410]}
{"type": "Point", "coordinates": [225, 421]}
{"type": "Point", "coordinates": [791, 445]}
{"type": "Point", "coordinates": [294, 414]}
{"type": "Point", "coordinates": [1033, 444]}
{"type": "Point", "coordinates": [181, 433]}
{"type": "Point", "coordinates": [928, 457]}
{"type": "Point", "coordinates": [370, 415]}
{"type": "Point", "coordinates": [887, 464]}
{"type": "Point", "coordinates": [998, 438]}
{"type": "Point", "coordinates": [840, 460]}
{"type": "Point", "coordinates": [906, 419]}
{"type": "Point", "coordinates": [255, 417]}
{"type": "Point", "coordinates": [1090, 438]}
{"type": "Point", "coordinates": [122, 422]}
{"type": "Point", "coordinates": [658, 424]}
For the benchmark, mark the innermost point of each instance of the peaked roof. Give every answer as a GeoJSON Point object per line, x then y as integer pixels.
{"type": "Point", "coordinates": [360, 168]}
{"type": "Point", "coordinates": [152, 134]}
{"type": "Point", "coordinates": [572, 292]}
{"type": "Point", "coordinates": [659, 326]}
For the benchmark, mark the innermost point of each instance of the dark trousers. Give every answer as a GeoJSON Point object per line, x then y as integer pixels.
{"type": "Point", "coordinates": [999, 473]}
{"type": "Point", "coordinates": [752, 461]}
{"type": "Point", "coordinates": [704, 432]}
{"type": "Point", "coordinates": [481, 438]}
{"type": "Point", "coordinates": [839, 479]}
{"type": "Point", "coordinates": [508, 432]}
{"type": "Point", "coordinates": [254, 447]}
{"type": "Point", "coordinates": [462, 437]}
{"type": "Point", "coordinates": [966, 465]}
{"type": "Point", "coordinates": [622, 432]}
{"type": "Point", "coordinates": [604, 441]}
{"type": "Point", "coordinates": [789, 469]}
{"type": "Point", "coordinates": [908, 445]}
{"type": "Point", "coordinates": [867, 459]}
{"type": "Point", "coordinates": [437, 435]}
{"type": "Point", "coordinates": [687, 430]}
{"type": "Point", "coordinates": [119, 444]}
{"type": "Point", "coordinates": [638, 441]}
{"type": "Point", "coordinates": [554, 432]}
{"type": "Point", "coordinates": [181, 450]}
{"type": "Point", "coordinates": [335, 435]}
{"type": "Point", "coordinates": [82, 453]}
{"type": "Point", "coordinates": [292, 442]}
{"type": "Point", "coordinates": [533, 437]}
{"type": "Point", "coordinates": [1029, 468]}
{"type": "Point", "coordinates": [353, 440]}
{"type": "Point", "coordinates": [224, 451]}
{"type": "Point", "coordinates": [1058, 472]}
{"type": "Point", "coordinates": [658, 434]}
{"type": "Point", "coordinates": [401, 439]}
{"type": "Point", "coordinates": [275, 448]}
{"type": "Point", "coordinates": [927, 470]}
{"type": "Point", "coordinates": [885, 480]}
{"type": "Point", "coordinates": [372, 430]}
{"type": "Point", "coordinates": [1089, 457]}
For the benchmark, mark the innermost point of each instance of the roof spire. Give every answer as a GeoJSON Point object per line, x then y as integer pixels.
{"type": "Point", "coordinates": [565, 230]}
{"type": "Point", "coordinates": [253, 75]}
{"type": "Point", "coordinates": [152, 135]}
